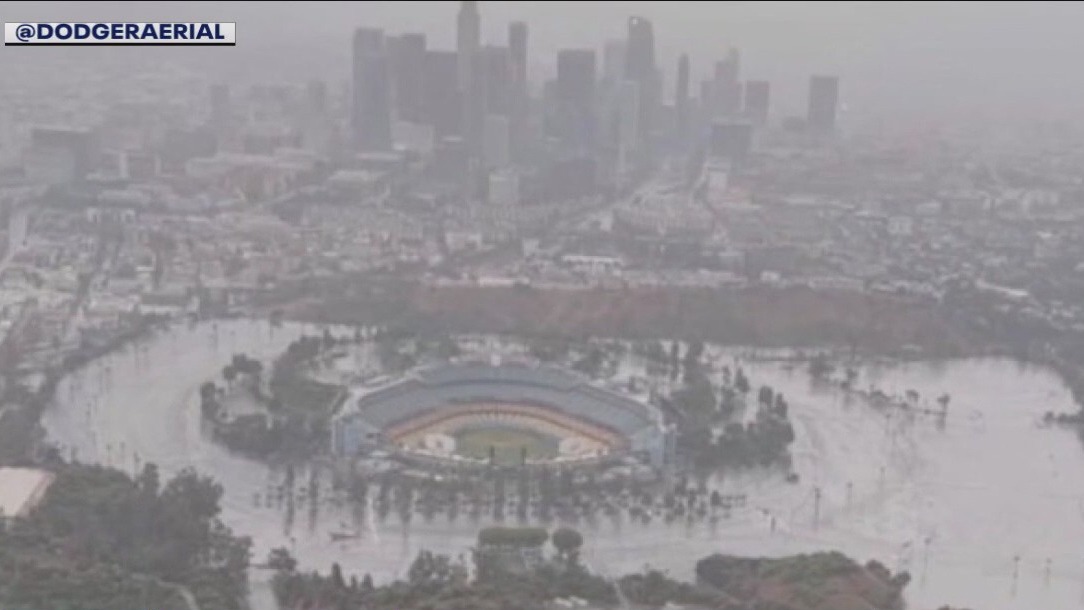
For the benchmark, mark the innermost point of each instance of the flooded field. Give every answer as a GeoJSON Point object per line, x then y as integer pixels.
{"type": "Point", "coordinates": [986, 511]}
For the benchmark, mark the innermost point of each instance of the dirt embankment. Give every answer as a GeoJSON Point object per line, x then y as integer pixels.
{"type": "Point", "coordinates": [821, 581]}
{"type": "Point", "coordinates": [751, 316]}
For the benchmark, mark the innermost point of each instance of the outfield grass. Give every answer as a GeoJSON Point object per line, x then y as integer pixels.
{"type": "Point", "coordinates": [507, 443]}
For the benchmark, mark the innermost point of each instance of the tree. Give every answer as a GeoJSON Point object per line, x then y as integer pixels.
{"type": "Point", "coordinates": [741, 384]}
{"type": "Point", "coordinates": [697, 397]}
{"type": "Point", "coordinates": [207, 392]}
{"type": "Point", "coordinates": [728, 401]}
{"type": "Point", "coordinates": [765, 396]}
{"type": "Point", "coordinates": [781, 406]}
{"type": "Point", "coordinates": [693, 354]}
{"type": "Point", "coordinates": [567, 541]}
{"type": "Point", "coordinates": [943, 400]}
{"type": "Point", "coordinates": [434, 572]}
{"type": "Point", "coordinates": [148, 481]}
{"type": "Point", "coordinates": [229, 373]}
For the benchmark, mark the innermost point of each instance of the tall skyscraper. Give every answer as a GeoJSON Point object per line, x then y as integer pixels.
{"type": "Point", "coordinates": [823, 100]}
{"type": "Point", "coordinates": [681, 98]}
{"type": "Point", "coordinates": [575, 97]}
{"type": "Point", "coordinates": [517, 48]}
{"type": "Point", "coordinates": [497, 74]}
{"type": "Point", "coordinates": [371, 108]}
{"type": "Point", "coordinates": [613, 61]}
{"type": "Point", "coordinates": [640, 67]}
{"type": "Point", "coordinates": [640, 53]}
{"type": "Point", "coordinates": [728, 89]}
{"type": "Point", "coordinates": [408, 76]}
{"type": "Point", "coordinates": [442, 103]}
{"type": "Point", "coordinates": [757, 98]}
{"type": "Point", "coordinates": [467, 39]}
{"type": "Point", "coordinates": [628, 128]}
{"type": "Point", "coordinates": [472, 94]}
{"type": "Point", "coordinates": [520, 99]}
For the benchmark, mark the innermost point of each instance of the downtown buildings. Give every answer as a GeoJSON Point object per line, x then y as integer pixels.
{"type": "Point", "coordinates": [600, 124]}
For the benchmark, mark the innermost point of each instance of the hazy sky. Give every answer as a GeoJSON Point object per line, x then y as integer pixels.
{"type": "Point", "coordinates": [974, 58]}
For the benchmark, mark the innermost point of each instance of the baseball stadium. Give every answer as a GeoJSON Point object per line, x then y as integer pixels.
{"type": "Point", "coordinates": [504, 415]}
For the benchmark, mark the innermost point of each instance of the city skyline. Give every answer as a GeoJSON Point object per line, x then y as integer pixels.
{"type": "Point", "coordinates": [939, 65]}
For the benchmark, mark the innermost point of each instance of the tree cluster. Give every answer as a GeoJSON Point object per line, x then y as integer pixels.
{"type": "Point", "coordinates": [101, 540]}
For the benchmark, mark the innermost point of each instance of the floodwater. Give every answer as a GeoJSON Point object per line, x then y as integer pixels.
{"type": "Point", "coordinates": [986, 511]}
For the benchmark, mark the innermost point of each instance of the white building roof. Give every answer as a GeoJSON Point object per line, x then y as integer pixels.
{"type": "Point", "coordinates": [21, 489]}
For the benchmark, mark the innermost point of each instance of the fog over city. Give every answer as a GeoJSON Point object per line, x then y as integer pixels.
{"type": "Point", "coordinates": [541, 305]}
{"type": "Point", "coordinates": [1005, 60]}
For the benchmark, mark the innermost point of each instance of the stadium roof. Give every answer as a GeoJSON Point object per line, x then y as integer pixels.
{"type": "Point", "coordinates": [429, 389]}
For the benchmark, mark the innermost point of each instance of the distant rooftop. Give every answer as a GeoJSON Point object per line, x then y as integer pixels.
{"type": "Point", "coordinates": [21, 489]}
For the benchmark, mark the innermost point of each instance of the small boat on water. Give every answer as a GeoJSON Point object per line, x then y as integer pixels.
{"type": "Point", "coordinates": [340, 536]}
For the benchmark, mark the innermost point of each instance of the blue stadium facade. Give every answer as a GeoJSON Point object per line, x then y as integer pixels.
{"type": "Point", "coordinates": [363, 420]}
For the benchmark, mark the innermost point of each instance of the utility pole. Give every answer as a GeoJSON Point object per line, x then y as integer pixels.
{"type": "Point", "coordinates": [816, 507]}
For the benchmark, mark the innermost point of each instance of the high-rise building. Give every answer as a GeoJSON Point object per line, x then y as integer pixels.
{"type": "Point", "coordinates": [575, 98]}
{"type": "Point", "coordinates": [681, 98]}
{"type": "Point", "coordinates": [628, 127]}
{"type": "Point", "coordinates": [472, 96]}
{"type": "Point", "coordinates": [520, 100]}
{"type": "Point", "coordinates": [468, 26]}
{"type": "Point", "coordinates": [371, 111]}
{"type": "Point", "coordinates": [640, 52]}
{"type": "Point", "coordinates": [407, 56]}
{"type": "Point", "coordinates": [442, 97]}
{"type": "Point", "coordinates": [757, 98]}
{"type": "Point", "coordinates": [613, 61]}
{"type": "Point", "coordinates": [316, 125]}
{"type": "Point", "coordinates": [823, 100]}
{"type": "Point", "coordinates": [497, 74]}
{"type": "Point", "coordinates": [640, 67]}
{"type": "Point", "coordinates": [517, 48]}
{"type": "Point", "coordinates": [729, 69]}
{"type": "Point", "coordinates": [59, 155]}
{"type": "Point", "coordinates": [728, 88]}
